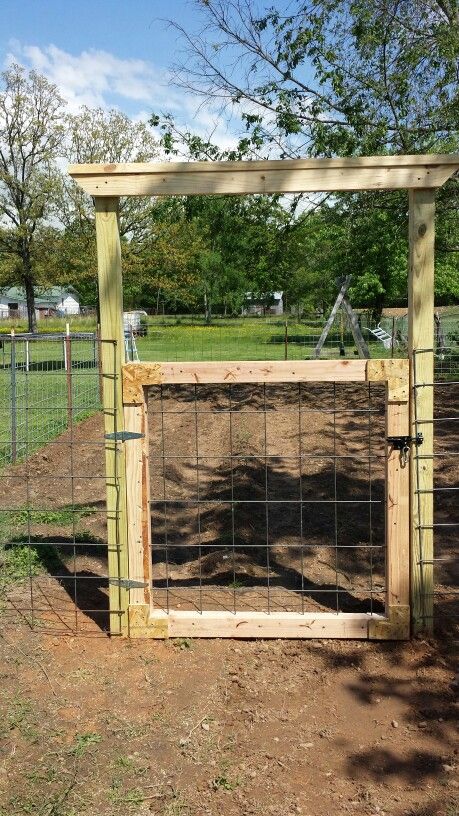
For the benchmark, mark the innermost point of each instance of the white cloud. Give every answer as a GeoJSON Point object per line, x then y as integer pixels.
{"type": "Point", "coordinates": [93, 77]}
{"type": "Point", "coordinates": [98, 78]}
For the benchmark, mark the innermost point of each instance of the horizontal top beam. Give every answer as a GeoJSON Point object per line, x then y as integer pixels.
{"type": "Point", "coordinates": [276, 176]}
{"type": "Point", "coordinates": [136, 376]}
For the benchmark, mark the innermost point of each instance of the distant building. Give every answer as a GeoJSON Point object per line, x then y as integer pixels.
{"type": "Point", "coordinates": [271, 303]}
{"type": "Point", "coordinates": [48, 302]}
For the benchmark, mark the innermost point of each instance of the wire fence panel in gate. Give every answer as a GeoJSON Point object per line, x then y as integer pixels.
{"type": "Point", "coordinates": [263, 507]}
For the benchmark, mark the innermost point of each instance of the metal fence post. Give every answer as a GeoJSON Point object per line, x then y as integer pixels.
{"type": "Point", "coordinates": [99, 364]}
{"type": "Point", "coordinates": [13, 399]}
{"type": "Point", "coordinates": [68, 356]}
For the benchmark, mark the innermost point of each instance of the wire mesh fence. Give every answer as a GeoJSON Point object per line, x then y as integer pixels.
{"type": "Point", "coordinates": [47, 382]}
{"type": "Point", "coordinates": [268, 497]}
{"type": "Point", "coordinates": [53, 543]}
{"type": "Point", "coordinates": [262, 498]}
{"type": "Point", "coordinates": [247, 338]}
{"type": "Point", "coordinates": [443, 606]}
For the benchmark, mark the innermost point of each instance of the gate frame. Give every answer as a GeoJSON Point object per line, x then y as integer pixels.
{"type": "Point", "coordinates": [421, 175]}
{"type": "Point", "coordinates": [148, 622]}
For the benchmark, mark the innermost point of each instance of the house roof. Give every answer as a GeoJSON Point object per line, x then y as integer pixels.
{"type": "Point", "coordinates": [43, 297]}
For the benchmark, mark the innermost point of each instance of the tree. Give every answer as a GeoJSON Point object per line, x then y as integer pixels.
{"type": "Point", "coordinates": [358, 77]}
{"type": "Point", "coordinates": [107, 137]}
{"type": "Point", "coordinates": [320, 77]}
{"type": "Point", "coordinates": [31, 137]}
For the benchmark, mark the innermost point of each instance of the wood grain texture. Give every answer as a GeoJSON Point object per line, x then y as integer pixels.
{"type": "Point", "coordinates": [252, 624]}
{"type": "Point", "coordinates": [397, 510]}
{"type": "Point", "coordinates": [278, 176]}
{"type": "Point", "coordinates": [396, 373]}
{"type": "Point", "coordinates": [143, 625]}
{"type": "Point", "coordinates": [138, 503]}
{"type": "Point", "coordinates": [420, 343]}
{"type": "Point", "coordinates": [111, 310]}
{"type": "Point", "coordinates": [418, 160]}
{"type": "Point", "coordinates": [378, 370]}
{"type": "Point", "coordinates": [138, 375]}
{"type": "Point", "coordinates": [248, 179]}
{"type": "Point", "coordinates": [396, 626]}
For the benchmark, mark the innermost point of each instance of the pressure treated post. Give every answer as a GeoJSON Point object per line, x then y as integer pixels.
{"type": "Point", "coordinates": [113, 357]}
{"type": "Point", "coordinates": [420, 341]}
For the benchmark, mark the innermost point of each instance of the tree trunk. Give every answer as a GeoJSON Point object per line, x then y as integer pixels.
{"type": "Point", "coordinates": [29, 290]}
{"type": "Point", "coordinates": [207, 309]}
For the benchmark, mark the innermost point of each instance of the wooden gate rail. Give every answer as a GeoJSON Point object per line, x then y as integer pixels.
{"type": "Point", "coordinates": [147, 622]}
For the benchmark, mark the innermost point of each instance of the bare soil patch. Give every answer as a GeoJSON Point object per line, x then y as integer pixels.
{"type": "Point", "coordinates": [92, 725]}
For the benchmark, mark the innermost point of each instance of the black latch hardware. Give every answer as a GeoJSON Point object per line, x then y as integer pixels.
{"type": "Point", "coordinates": [403, 442]}
{"type": "Point", "coordinates": [124, 436]}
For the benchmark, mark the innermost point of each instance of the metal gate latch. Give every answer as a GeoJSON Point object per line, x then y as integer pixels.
{"type": "Point", "coordinates": [402, 443]}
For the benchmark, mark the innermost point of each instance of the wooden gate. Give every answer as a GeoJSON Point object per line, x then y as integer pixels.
{"type": "Point", "coordinates": [148, 621]}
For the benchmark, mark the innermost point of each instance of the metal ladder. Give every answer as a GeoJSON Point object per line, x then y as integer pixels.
{"type": "Point", "coordinates": [384, 337]}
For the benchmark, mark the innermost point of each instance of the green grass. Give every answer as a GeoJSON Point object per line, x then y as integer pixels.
{"type": "Point", "coordinates": [242, 339]}
{"type": "Point", "coordinates": [19, 558]}
{"type": "Point", "coordinates": [41, 404]}
{"type": "Point", "coordinates": [78, 323]}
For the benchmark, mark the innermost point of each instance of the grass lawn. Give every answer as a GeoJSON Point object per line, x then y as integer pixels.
{"type": "Point", "coordinates": [39, 411]}
{"type": "Point", "coordinates": [242, 339]}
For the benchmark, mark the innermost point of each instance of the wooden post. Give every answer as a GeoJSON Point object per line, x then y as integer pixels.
{"type": "Point", "coordinates": [397, 511]}
{"type": "Point", "coordinates": [397, 623]}
{"type": "Point", "coordinates": [420, 344]}
{"type": "Point", "coordinates": [113, 357]}
{"type": "Point", "coordinates": [138, 513]}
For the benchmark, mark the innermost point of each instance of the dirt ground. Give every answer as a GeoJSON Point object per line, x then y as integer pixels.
{"type": "Point", "coordinates": [92, 725]}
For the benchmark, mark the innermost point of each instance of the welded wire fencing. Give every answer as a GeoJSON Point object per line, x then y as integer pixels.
{"type": "Point", "coordinates": [268, 497]}
{"type": "Point", "coordinates": [262, 498]}
{"type": "Point", "coordinates": [284, 337]}
{"type": "Point", "coordinates": [439, 571]}
{"type": "Point", "coordinates": [53, 515]}
{"type": "Point", "coordinates": [47, 382]}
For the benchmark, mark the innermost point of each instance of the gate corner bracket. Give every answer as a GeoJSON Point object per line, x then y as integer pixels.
{"type": "Point", "coordinates": [144, 625]}
{"type": "Point", "coordinates": [395, 626]}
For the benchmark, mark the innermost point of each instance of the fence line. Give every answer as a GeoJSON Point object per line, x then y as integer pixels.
{"type": "Point", "coordinates": [47, 382]}
{"type": "Point", "coordinates": [439, 590]}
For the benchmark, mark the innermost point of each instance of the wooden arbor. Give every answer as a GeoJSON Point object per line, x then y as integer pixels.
{"type": "Point", "coordinates": [421, 176]}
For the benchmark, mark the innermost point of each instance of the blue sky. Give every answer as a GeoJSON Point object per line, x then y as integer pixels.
{"type": "Point", "coordinates": [106, 53]}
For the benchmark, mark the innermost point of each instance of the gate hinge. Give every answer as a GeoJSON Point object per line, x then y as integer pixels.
{"type": "Point", "coordinates": [127, 583]}
{"type": "Point", "coordinates": [124, 436]}
{"type": "Point", "coordinates": [403, 442]}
